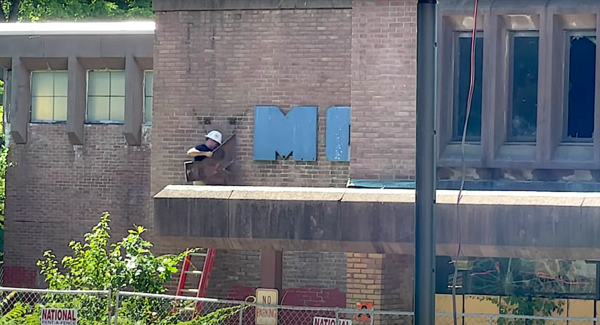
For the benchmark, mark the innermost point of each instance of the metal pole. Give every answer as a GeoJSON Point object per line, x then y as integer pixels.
{"type": "Point", "coordinates": [425, 164]}
{"type": "Point", "coordinates": [241, 319]}
{"type": "Point", "coordinates": [116, 308]}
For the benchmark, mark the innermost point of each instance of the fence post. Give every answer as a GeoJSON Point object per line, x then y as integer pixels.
{"type": "Point", "coordinates": [372, 315]}
{"type": "Point", "coordinates": [117, 308]}
{"type": "Point", "coordinates": [490, 321]}
{"type": "Point", "coordinates": [337, 315]}
{"type": "Point", "coordinates": [109, 305]}
{"type": "Point", "coordinates": [242, 313]}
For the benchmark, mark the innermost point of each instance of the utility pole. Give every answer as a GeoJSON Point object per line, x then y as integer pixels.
{"type": "Point", "coordinates": [425, 164]}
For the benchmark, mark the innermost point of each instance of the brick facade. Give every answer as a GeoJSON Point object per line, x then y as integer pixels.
{"type": "Point", "coordinates": [386, 280]}
{"type": "Point", "coordinates": [222, 64]}
{"type": "Point", "coordinates": [56, 192]}
{"type": "Point", "coordinates": [210, 69]}
{"type": "Point", "coordinates": [383, 89]}
{"type": "Point", "coordinates": [231, 62]}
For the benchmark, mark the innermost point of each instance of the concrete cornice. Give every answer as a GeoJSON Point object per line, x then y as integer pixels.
{"type": "Point", "coordinates": [205, 5]}
{"type": "Point", "coordinates": [445, 197]}
{"type": "Point", "coordinates": [503, 224]}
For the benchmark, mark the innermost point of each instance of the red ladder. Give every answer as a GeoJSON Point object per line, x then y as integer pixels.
{"type": "Point", "coordinates": [209, 257]}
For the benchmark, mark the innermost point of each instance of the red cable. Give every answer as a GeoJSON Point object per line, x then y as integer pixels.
{"type": "Point", "coordinates": [464, 135]}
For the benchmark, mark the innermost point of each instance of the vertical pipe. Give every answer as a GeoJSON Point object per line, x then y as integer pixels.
{"type": "Point", "coordinates": [425, 164]}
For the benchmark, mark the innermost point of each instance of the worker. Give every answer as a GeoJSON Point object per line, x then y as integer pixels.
{"type": "Point", "coordinates": [213, 140]}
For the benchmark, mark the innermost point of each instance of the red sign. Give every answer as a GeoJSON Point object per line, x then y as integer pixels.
{"type": "Point", "coordinates": [53, 316]}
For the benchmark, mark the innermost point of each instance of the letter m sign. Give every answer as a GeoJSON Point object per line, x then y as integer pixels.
{"type": "Point", "coordinates": [292, 134]}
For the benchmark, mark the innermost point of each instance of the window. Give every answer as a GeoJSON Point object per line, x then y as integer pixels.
{"type": "Point", "coordinates": [49, 96]}
{"type": "Point", "coordinates": [524, 277]}
{"type": "Point", "coordinates": [148, 95]}
{"type": "Point", "coordinates": [463, 79]}
{"type": "Point", "coordinates": [106, 97]}
{"type": "Point", "coordinates": [581, 84]}
{"type": "Point", "coordinates": [524, 74]}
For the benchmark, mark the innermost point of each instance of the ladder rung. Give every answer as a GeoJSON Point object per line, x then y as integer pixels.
{"type": "Point", "coordinates": [193, 272]}
{"type": "Point", "coordinates": [190, 290]}
{"type": "Point", "coordinates": [198, 254]}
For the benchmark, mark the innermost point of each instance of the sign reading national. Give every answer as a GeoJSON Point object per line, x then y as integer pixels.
{"type": "Point", "coordinates": [51, 316]}
{"type": "Point", "coordinates": [330, 321]}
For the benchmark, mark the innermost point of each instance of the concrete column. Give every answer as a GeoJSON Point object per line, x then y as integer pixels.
{"type": "Point", "coordinates": [383, 279]}
{"type": "Point", "coordinates": [20, 101]}
{"type": "Point", "coordinates": [6, 100]}
{"type": "Point", "coordinates": [76, 101]}
{"type": "Point", "coordinates": [134, 99]}
{"type": "Point", "coordinates": [271, 276]}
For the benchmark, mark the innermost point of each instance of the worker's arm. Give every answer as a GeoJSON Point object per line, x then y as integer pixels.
{"type": "Point", "coordinates": [193, 152]}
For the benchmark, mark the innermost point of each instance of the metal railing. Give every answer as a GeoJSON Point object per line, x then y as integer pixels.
{"type": "Point", "coordinates": [29, 306]}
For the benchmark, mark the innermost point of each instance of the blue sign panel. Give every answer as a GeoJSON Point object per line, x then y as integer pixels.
{"type": "Point", "coordinates": [337, 134]}
{"type": "Point", "coordinates": [292, 134]}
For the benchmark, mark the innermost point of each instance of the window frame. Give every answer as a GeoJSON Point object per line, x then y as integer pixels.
{"type": "Point", "coordinates": [457, 35]}
{"type": "Point", "coordinates": [87, 97]}
{"type": "Point", "coordinates": [496, 149]}
{"type": "Point", "coordinates": [31, 80]}
{"type": "Point", "coordinates": [512, 34]}
{"type": "Point", "coordinates": [568, 33]}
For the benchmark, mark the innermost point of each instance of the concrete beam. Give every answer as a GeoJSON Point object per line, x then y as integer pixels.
{"type": "Point", "coordinates": [84, 46]}
{"type": "Point", "coordinates": [504, 224]}
{"type": "Point", "coordinates": [194, 5]}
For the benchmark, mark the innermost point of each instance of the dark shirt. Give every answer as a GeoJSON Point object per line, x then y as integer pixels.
{"type": "Point", "coordinates": [201, 147]}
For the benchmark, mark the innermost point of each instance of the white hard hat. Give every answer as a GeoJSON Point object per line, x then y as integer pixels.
{"type": "Point", "coordinates": [215, 135]}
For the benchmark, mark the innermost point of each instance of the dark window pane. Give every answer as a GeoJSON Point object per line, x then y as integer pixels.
{"type": "Point", "coordinates": [582, 83]}
{"type": "Point", "coordinates": [519, 277]}
{"type": "Point", "coordinates": [463, 81]}
{"type": "Point", "coordinates": [525, 88]}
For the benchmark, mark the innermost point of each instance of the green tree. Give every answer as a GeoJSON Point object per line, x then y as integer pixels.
{"type": "Point", "coordinates": [128, 265]}
{"type": "Point", "coordinates": [98, 265]}
{"type": "Point", "coordinates": [44, 10]}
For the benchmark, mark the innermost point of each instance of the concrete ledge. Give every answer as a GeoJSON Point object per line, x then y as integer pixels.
{"type": "Point", "coordinates": [204, 5]}
{"type": "Point", "coordinates": [511, 224]}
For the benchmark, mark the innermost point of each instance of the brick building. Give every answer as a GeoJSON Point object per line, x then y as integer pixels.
{"type": "Point", "coordinates": [127, 101]}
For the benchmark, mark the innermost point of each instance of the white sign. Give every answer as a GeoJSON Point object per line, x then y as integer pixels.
{"type": "Point", "coordinates": [330, 321]}
{"type": "Point", "coordinates": [53, 316]}
{"type": "Point", "coordinates": [266, 316]}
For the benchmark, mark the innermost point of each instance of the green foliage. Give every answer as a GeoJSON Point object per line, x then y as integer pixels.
{"type": "Point", "coordinates": [129, 264]}
{"type": "Point", "coordinates": [44, 10]}
{"type": "Point", "coordinates": [97, 265]}
{"type": "Point", "coordinates": [525, 306]}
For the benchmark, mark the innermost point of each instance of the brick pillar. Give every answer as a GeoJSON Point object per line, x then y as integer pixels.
{"type": "Point", "coordinates": [384, 279]}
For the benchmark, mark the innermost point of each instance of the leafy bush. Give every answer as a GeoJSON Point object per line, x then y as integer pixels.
{"type": "Point", "coordinates": [97, 265]}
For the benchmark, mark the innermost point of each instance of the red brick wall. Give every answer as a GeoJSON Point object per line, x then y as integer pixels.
{"type": "Point", "coordinates": [383, 89]}
{"type": "Point", "coordinates": [56, 192]}
{"type": "Point", "coordinates": [220, 65]}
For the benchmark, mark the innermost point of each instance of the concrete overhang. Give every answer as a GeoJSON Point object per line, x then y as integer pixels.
{"type": "Point", "coordinates": [504, 224]}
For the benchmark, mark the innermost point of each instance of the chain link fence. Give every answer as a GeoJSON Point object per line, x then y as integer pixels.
{"type": "Point", "coordinates": [30, 306]}
{"type": "Point", "coordinates": [142, 309]}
